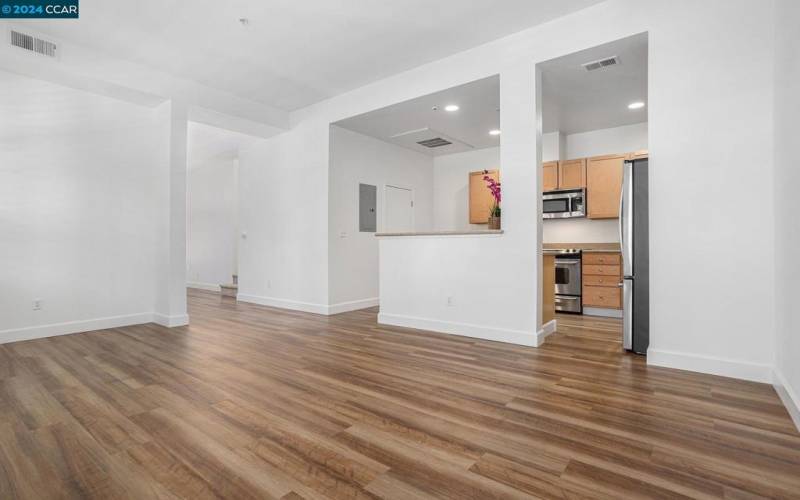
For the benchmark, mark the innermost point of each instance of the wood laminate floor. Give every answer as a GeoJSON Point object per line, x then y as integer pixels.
{"type": "Point", "coordinates": [253, 402]}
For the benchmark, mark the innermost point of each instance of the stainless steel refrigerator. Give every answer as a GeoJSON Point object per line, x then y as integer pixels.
{"type": "Point", "coordinates": [634, 240]}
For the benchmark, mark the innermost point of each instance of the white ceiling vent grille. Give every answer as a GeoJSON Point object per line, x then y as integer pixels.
{"type": "Point", "coordinates": [436, 142]}
{"type": "Point", "coordinates": [33, 44]}
{"type": "Point", "coordinates": [601, 63]}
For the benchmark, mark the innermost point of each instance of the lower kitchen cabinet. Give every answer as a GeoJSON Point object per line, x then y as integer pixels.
{"type": "Point", "coordinates": [602, 274]}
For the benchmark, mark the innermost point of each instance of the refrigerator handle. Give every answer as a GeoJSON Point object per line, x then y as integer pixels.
{"type": "Point", "coordinates": [627, 314]}
{"type": "Point", "coordinates": [619, 219]}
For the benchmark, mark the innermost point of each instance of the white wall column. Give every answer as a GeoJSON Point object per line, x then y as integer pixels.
{"type": "Point", "coordinates": [521, 176]}
{"type": "Point", "coordinates": [170, 309]}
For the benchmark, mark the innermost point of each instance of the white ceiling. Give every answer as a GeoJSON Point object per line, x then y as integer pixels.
{"type": "Point", "coordinates": [468, 128]}
{"type": "Point", "coordinates": [205, 142]}
{"type": "Point", "coordinates": [294, 53]}
{"type": "Point", "coordinates": [575, 100]}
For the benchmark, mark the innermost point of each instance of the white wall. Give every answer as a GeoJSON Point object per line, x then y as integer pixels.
{"type": "Point", "coordinates": [451, 186]}
{"type": "Point", "coordinates": [708, 127]}
{"type": "Point", "coordinates": [787, 185]}
{"type": "Point", "coordinates": [80, 184]}
{"type": "Point", "coordinates": [607, 141]}
{"type": "Point", "coordinates": [357, 158]}
{"type": "Point", "coordinates": [212, 228]}
{"type": "Point", "coordinates": [283, 211]}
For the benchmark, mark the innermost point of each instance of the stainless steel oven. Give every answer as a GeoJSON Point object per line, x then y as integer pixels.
{"type": "Point", "coordinates": [568, 282]}
{"type": "Point", "coordinates": [564, 204]}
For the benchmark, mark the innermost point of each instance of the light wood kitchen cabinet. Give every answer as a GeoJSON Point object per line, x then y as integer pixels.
{"type": "Point", "coordinates": [480, 198]}
{"type": "Point", "coordinates": [603, 186]}
{"type": "Point", "coordinates": [637, 155]}
{"type": "Point", "coordinates": [550, 176]}
{"type": "Point", "coordinates": [572, 174]}
{"type": "Point", "coordinates": [602, 274]}
{"type": "Point", "coordinates": [604, 297]}
{"type": "Point", "coordinates": [548, 288]}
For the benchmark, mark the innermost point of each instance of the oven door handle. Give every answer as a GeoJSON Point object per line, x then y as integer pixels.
{"type": "Point", "coordinates": [567, 261]}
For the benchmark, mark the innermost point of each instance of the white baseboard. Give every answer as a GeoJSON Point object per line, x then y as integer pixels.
{"type": "Point", "coordinates": [283, 303]}
{"type": "Point", "coordinates": [352, 305]}
{"type": "Point", "coordinates": [745, 370]}
{"type": "Point", "coordinates": [171, 321]}
{"type": "Point", "coordinates": [547, 329]}
{"type": "Point", "coordinates": [602, 312]}
{"type": "Point", "coordinates": [463, 329]}
{"type": "Point", "coordinates": [69, 327]}
{"type": "Point", "coordinates": [790, 398]}
{"type": "Point", "coordinates": [211, 287]}
{"type": "Point", "coordinates": [310, 307]}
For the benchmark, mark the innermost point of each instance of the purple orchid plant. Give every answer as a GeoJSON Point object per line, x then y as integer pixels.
{"type": "Point", "coordinates": [494, 187]}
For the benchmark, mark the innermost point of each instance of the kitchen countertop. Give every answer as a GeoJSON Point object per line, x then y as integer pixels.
{"type": "Point", "coordinates": [586, 247]}
{"type": "Point", "coordinates": [445, 233]}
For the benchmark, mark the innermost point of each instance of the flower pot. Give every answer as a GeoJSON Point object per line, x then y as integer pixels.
{"type": "Point", "coordinates": [494, 222]}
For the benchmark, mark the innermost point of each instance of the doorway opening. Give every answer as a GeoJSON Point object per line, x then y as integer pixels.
{"type": "Point", "coordinates": [594, 194]}
{"type": "Point", "coordinates": [212, 232]}
{"type": "Point", "coordinates": [416, 166]}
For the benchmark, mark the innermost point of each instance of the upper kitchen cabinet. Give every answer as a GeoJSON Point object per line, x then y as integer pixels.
{"type": "Point", "coordinates": [550, 176]}
{"type": "Point", "coordinates": [572, 174]}
{"type": "Point", "coordinates": [480, 198]}
{"type": "Point", "coordinates": [604, 186]}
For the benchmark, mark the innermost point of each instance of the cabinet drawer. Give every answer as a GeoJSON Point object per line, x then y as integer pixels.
{"type": "Point", "coordinates": [602, 296]}
{"type": "Point", "coordinates": [596, 280]}
{"type": "Point", "coordinates": [600, 270]}
{"type": "Point", "coordinates": [602, 258]}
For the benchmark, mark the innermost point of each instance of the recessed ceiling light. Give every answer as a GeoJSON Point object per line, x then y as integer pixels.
{"type": "Point", "coordinates": [636, 105]}
{"type": "Point", "coordinates": [494, 132]}
{"type": "Point", "coordinates": [451, 108]}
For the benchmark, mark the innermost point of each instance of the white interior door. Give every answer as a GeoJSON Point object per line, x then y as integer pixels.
{"type": "Point", "coordinates": [399, 210]}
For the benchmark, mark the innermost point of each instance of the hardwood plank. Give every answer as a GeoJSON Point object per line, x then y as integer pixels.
{"type": "Point", "coordinates": [256, 402]}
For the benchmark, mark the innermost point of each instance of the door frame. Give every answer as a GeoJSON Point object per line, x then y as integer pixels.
{"type": "Point", "coordinates": [413, 204]}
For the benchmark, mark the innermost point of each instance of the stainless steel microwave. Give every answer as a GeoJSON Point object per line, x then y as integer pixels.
{"type": "Point", "coordinates": [564, 204]}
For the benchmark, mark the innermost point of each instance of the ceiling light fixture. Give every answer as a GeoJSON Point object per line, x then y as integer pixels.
{"type": "Point", "coordinates": [451, 107]}
{"type": "Point", "coordinates": [636, 105]}
{"type": "Point", "coordinates": [494, 132]}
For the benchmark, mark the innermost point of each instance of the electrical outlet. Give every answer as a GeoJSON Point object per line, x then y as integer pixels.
{"type": "Point", "coordinates": [37, 304]}
{"type": "Point", "coordinates": [450, 301]}
{"type": "Point", "coordinates": [269, 284]}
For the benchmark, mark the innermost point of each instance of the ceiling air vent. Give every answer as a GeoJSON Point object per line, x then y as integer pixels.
{"type": "Point", "coordinates": [32, 43]}
{"type": "Point", "coordinates": [436, 142]}
{"type": "Point", "coordinates": [601, 63]}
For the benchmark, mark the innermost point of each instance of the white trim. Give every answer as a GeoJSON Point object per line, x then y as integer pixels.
{"type": "Point", "coordinates": [463, 329]}
{"type": "Point", "coordinates": [211, 287]}
{"type": "Point", "coordinates": [171, 321]}
{"type": "Point", "coordinates": [283, 303]}
{"type": "Point", "coordinates": [746, 370]}
{"type": "Point", "coordinates": [352, 305]}
{"type": "Point", "coordinates": [69, 327]}
{"type": "Point", "coordinates": [788, 395]}
{"type": "Point", "coordinates": [602, 312]}
{"type": "Point", "coordinates": [547, 329]}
